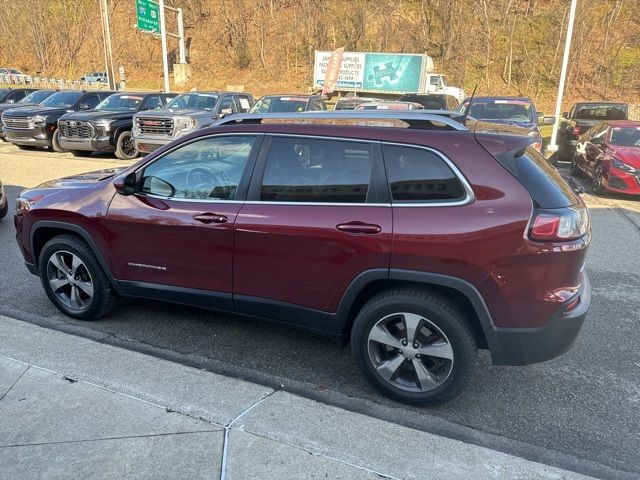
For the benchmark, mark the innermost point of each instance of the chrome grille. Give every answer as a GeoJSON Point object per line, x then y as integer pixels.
{"type": "Point", "coordinates": [155, 126]}
{"type": "Point", "coordinates": [73, 129]}
{"type": "Point", "coordinates": [17, 122]}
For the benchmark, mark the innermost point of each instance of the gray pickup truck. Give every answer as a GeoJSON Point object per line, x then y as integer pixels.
{"type": "Point", "coordinates": [184, 114]}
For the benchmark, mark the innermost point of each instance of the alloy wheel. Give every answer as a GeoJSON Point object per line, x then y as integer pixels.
{"type": "Point", "coordinates": [410, 352]}
{"type": "Point", "coordinates": [128, 146]}
{"type": "Point", "coordinates": [70, 280]}
{"type": "Point", "coordinates": [597, 179]}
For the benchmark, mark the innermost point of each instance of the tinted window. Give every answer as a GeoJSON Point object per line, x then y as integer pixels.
{"type": "Point", "coordinates": [509, 110]}
{"type": "Point", "coordinates": [280, 104]}
{"type": "Point", "coordinates": [121, 103]}
{"type": "Point", "coordinates": [543, 182]}
{"type": "Point", "coordinates": [153, 102]}
{"type": "Point", "coordinates": [601, 112]}
{"type": "Point", "coordinates": [625, 136]}
{"type": "Point", "coordinates": [418, 175]}
{"type": "Point", "coordinates": [206, 169]}
{"type": "Point", "coordinates": [227, 102]}
{"type": "Point", "coordinates": [91, 100]}
{"type": "Point", "coordinates": [194, 101]}
{"type": "Point", "coordinates": [312, 170]}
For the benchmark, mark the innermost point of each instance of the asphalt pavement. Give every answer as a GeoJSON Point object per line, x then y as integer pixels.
{"type": "Point", "coordinates": [579, 412]}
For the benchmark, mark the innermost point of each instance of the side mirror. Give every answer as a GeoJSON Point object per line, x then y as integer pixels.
{"type": "Point", "coordinates": [565, 114]}
{"type": "Point", "coordinates": [126, 185]}
{"type": "Point", "coordinates": [224, 111]}
{"type": "Point", "coordinates": [84, 106]}
{"type": "Point", "coordinates": [548, 120]}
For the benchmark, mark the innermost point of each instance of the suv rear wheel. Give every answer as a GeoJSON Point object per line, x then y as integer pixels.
{"type": "Point", "coordinates": [73, 278]}
{"type": "Point", "coordinates": [414, 346]}
{"type": "Point", "coordinates": [125, 147]}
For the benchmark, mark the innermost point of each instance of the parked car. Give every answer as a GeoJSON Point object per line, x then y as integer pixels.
{"type": "Point", "coordinates": [609, 153]}
{"type": "Point", "coordinates": [513, 111]}
{"type": "Point", "coordinates": [581, 118]}
{"type": "Point", "coordinates": [95, 77]}
{"type": "Point", "coordinates": [288, 103]}
{"type": "Point", "coordinates": [350, 103]}
{"type": "Point", "coordinates": [13, 75]}
{"type": "Point", "coordinates": [34, 98]}
{"type": "Point", "coordinates": [389, 105]}
{"type": "Point", "coordinates": [37, 126]}
{"type": "Point", "coordinates": [419, 244]}
{"type": "Point", "coordinates": [14, 95]}
{"type": "Point", "coordinates": [4, 207]}
{"type": "Point", "coordinates": [432, 101]}
{"type": "Point", "coordinates": [185, 113]}
{"type": "Point", "coordinates": [107, 128]}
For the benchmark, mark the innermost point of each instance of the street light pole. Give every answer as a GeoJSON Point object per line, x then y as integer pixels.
{"type": "Point", "coordinates": [563, 74]}
{"type": "Point", "coordinates": [163, 41]}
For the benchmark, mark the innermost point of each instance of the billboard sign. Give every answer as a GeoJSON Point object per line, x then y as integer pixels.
{"type": "Point", "coordinates": [382, 72]}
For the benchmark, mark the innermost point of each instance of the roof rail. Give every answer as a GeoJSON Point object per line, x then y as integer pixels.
{"type": "Point", "coordinates": [426, 119]}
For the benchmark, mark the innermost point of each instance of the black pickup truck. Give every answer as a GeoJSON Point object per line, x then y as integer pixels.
{"type": "Point", "coordinates": [581, 118]}
{"type": "Point", "coordinates": [37, 126]}
{"type": "Point", "coordinates": [107, 128]}
{"type": "Point", "coordinates": [34, 98]}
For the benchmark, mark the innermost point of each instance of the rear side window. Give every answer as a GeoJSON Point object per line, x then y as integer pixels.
{"type": "Point", "coordinates": [315, 170]}
{"type": "Point", "coordinates": [417, 175]}
{"type": "Point", "coordinates": [543, 182]}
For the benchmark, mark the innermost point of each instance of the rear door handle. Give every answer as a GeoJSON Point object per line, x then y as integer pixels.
{"type": "Point", "coordinates": [359, 227]}
{"type": "Point", "coordinates": [210, 218]}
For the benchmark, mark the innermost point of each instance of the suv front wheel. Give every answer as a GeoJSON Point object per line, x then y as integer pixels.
{"type": "Point", "coordinates": [125, 147]}
{"type": "Point", "coordinates": [73, 278]}
{"type": "Point", "coordinates": [414, 346]}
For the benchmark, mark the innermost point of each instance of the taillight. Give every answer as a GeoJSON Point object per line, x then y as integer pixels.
{"type": "Point", "coordinates": [559, 224]}
{"type": "Point", "coordinates": [576, 130]}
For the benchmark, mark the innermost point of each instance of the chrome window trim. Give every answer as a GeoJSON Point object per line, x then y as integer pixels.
{"type": "Point", "coordinates": [189, 142]}
{"type": "Point", "coordinates": [469, 198]}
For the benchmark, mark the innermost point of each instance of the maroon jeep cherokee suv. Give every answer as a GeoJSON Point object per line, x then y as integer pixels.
{"type": "Point", "coordinates": [414, 236]}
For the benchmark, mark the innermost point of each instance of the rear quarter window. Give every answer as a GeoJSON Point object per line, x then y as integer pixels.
{"type": "Point", "coordinates": [544, 183]}
{"type": "Point", "coordinates": [417, 175]}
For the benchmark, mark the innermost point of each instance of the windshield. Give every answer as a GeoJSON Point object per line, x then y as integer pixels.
{"type": "Point", "coordinates": [625, 136]}
{"type": "Point", "coordinates": [506, 110]}
{"type": "Point", "coordinates": [194, 101]}
{"type": "Point", "coordinates": [601, 112]}
{"type": "Point", "coordinates": [121, 103]}
{"type": "Point", "coordinates": [62, 99]}
{"type": "Point", "coordinates": [37, 96]}
{"type": "Point", "coordinates": [280, 104]}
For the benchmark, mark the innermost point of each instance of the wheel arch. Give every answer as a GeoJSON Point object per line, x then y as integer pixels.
{"type": "Point", "coordinates": [460, 292]}
{"type": "Point", "coordinates": [44, 230]}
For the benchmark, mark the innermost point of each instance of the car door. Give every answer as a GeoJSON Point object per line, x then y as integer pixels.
{"type": "Point", "coordinates": [90, 101]}
{"type": "Point", "coordinates": [317, 216]}
{"type": "Point", "coordinates": [177, 229]}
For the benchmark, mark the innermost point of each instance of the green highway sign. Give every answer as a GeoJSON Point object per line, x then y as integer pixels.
{"type": "Point", "coordinates": [148, 16]}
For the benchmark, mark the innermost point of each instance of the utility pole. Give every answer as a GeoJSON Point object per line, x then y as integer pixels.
{"type": "Point", "coordinates": [106, 37]}
{"type": "Point", "coordinates": [163, 41]}
{"type": "Point", "coordinates": [563, 74]}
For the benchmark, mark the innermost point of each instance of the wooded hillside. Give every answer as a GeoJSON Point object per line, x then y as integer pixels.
{"type": "Point", "coordinates": [506, 46]}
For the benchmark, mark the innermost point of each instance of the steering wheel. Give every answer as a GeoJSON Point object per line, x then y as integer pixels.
{"type": "Point", "coordinates": [199, 178]}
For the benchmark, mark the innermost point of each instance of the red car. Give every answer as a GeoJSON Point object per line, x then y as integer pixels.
{"type": "Point", "coordinates": [609, 153]}
{"type": "Point", "coordinates": [417, 238]}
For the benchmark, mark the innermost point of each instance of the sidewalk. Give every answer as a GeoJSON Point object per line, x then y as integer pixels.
{"type": "Point", "coordinates": [74, 408]}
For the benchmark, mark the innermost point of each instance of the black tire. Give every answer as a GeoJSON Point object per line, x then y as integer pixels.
{"type": "Point", "coordinates": [597, 180]}
{"type": "Point", "coordinates": [55, 143]}
{"type": "Point", "coordinates": [442, 314]}
{"type": "Point", "coordinates": [4, 210]}
{"type": "Point", "coordinates": [81, 153]}
{"type": "Point", "coordinates": [103, 297]}
{"type": "Point", "coordinates": [125, 148]}
{"type": "Point", "coordinates": [25, 147]}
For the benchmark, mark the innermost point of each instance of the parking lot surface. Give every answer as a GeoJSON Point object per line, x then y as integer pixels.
{"type": "Point", "coordinates": [581, 409]}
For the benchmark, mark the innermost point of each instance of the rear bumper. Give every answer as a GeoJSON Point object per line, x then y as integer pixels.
{"type": "Point", "coordinates": [94, 144]}
{"type": "Point", "coordinates": [29, 136]}
{"type": "Point", "coordinates": [524, 346]}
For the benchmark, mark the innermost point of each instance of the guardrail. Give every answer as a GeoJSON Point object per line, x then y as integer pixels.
{"type": "Point", "coordinates": [50, 82]}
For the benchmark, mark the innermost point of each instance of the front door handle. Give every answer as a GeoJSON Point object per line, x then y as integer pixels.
{"type": "Point", "coordinates": [359, 227]}
{"type": "Point", "coordinates": [210, 218]}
